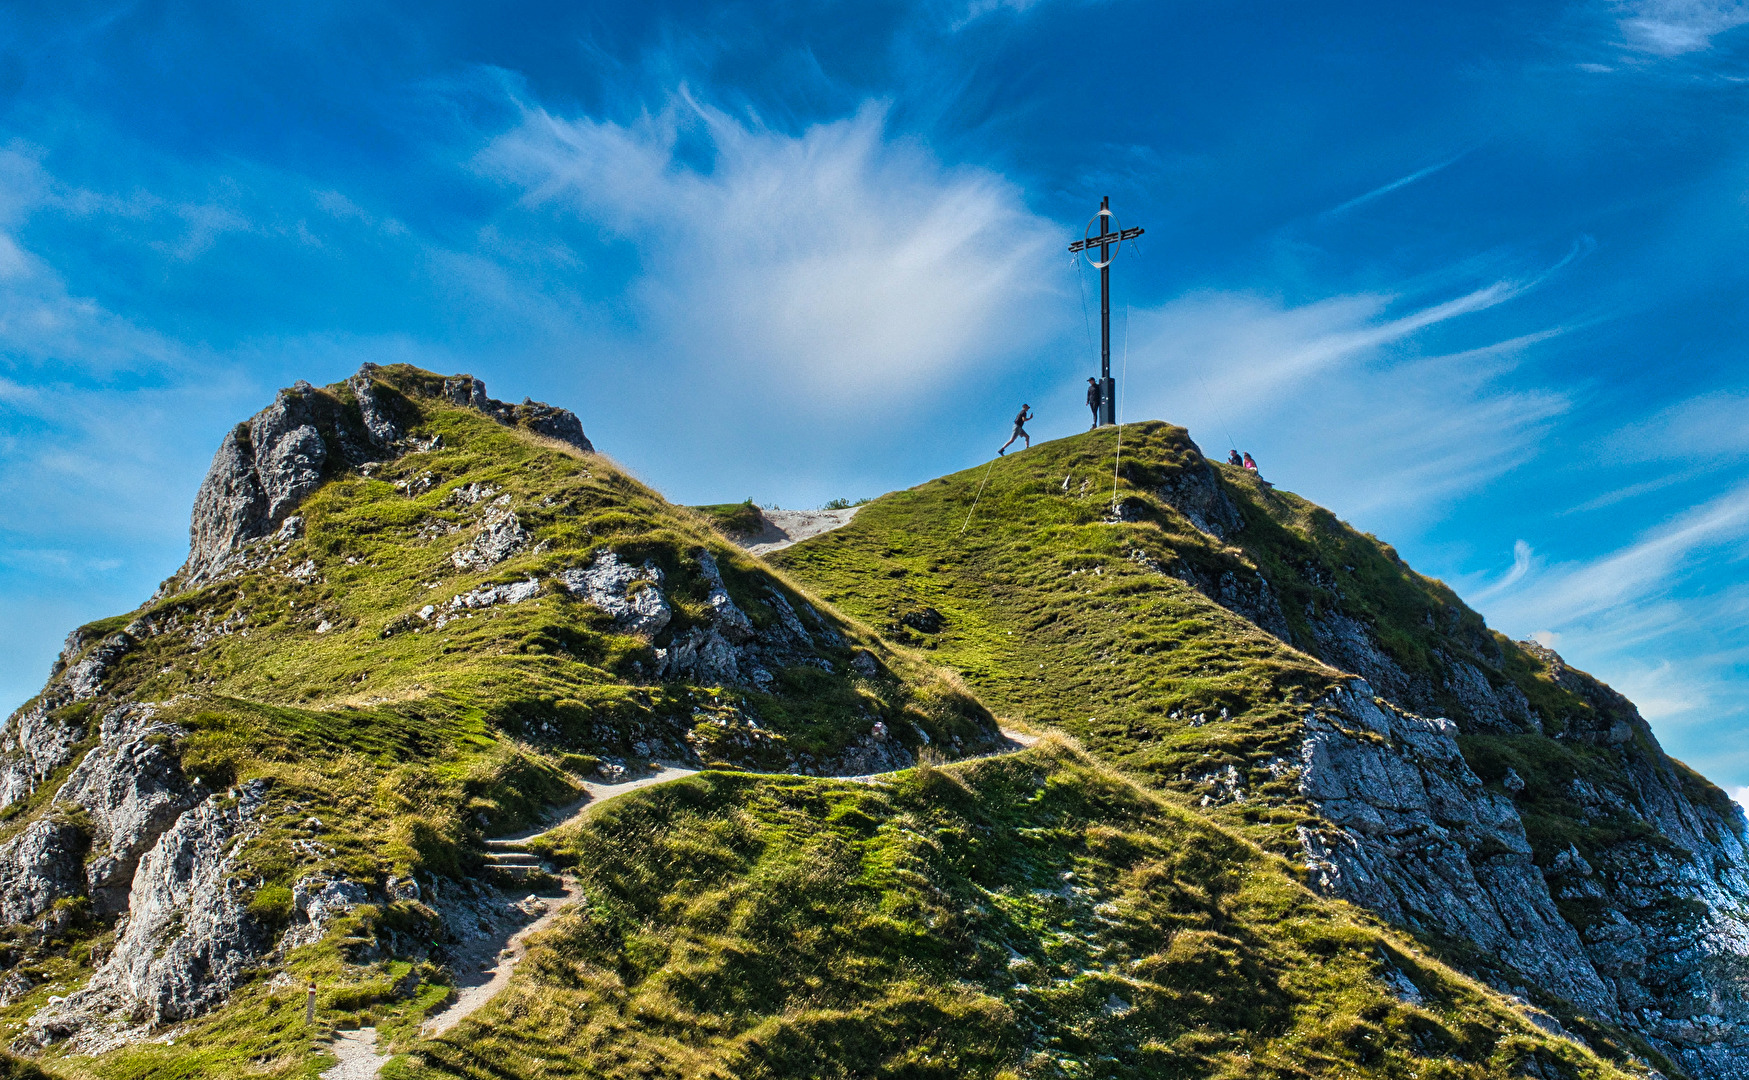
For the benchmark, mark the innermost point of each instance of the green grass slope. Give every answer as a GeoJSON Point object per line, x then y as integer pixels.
{"type": "Point", "coordinates": [1063, 609]}
{"type": "Point", "coordinates": [1055, 611]}
{"type": "Point", "coordinates": [393, 745]}
{"type": "Point", "coordinates": [1058, 609]}
{"type": "Point", "coordinates": [1035, 915]}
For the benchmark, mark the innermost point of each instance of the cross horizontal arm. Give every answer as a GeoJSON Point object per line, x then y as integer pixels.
{"type": "Point", "coordinates": [1106, 238]}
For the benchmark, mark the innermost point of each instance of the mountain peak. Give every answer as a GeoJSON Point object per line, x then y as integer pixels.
{"type": "Point", "coordinates": [267, 465]}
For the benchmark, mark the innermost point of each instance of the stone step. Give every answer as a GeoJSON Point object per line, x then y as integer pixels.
{"type": "Point", "coordinates": [512, 858]}
{"type": "Point", "coordinates": [505, 845]}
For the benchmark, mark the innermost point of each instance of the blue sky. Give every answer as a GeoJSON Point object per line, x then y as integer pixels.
{"type": "Point", "coordinates": [1472, 275]}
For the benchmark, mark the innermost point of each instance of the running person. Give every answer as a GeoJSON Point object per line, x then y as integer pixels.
{"type": "Point", "coordinates": [1094, 399]}
{"type": "Point", "coordinates": [1020, 419]}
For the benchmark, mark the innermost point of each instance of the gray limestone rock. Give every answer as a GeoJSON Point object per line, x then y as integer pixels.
{"type": "Point", "coordinates": [376, 409]}
{"type": "Point", "coordinates": [1418, 839]}
{"type": "Point", "coordinates": [1196, 492]}
{"type": "Point", "coordinates": [230, 507]}
{"type": "Point", "coordinates": [132, 787]}
{"type": "Point", "coordinates": [40, 865]}
{"type": "Point", "coordinates": [553, 423]}
{"type": "Point", "coordinates": [189, 937]}
{"type": "Point", "coordinates": [500, 536]}
{"type": "Point", "coordinates": [729, 619]}
{"type": "Point", "coordinates": [41, 737]}
{"type": "Point", "coordinates": [631, 594]}
{"type": "Point", "coordinates": [266, 467]}
{"type": "Point", "coordinates": [486, 596]}
{"type": "Point", "coordinates": [84, 678]}
{"type": "Point", "coordinates": [318, 900]}
{"type": "Point", "coordinates": [35, 742]}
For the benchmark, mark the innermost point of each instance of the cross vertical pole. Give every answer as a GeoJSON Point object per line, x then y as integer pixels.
{"type": "Point", "coordinates": [1108, 236]}
{"type": "Point", "coordinates": [1107, 386]}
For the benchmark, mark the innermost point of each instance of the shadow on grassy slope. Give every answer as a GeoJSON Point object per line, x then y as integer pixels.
{"type": "Point", "coordinates": [1034, 915]}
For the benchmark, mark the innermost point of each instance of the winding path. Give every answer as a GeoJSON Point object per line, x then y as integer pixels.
{"type": "Point", "coordinates": [359, 1057]}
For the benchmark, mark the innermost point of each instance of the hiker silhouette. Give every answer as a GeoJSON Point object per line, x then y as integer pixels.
{"type": "Point", "coordinates": [1020, 419]}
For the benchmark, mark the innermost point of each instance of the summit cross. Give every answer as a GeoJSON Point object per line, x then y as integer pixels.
{"type": "Point", "coordinates": [1110, 232]}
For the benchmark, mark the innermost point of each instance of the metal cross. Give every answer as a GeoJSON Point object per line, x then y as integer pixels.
{"type": "Point", "coordinates": [1109, 234]}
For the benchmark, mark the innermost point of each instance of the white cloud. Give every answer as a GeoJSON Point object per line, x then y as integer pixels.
{"type": "Point", "coordinates": [830, 267]}
{"type": "Point", "coordinates": [1650, 619]}
{"type": "Point", "coordinates": [1522, 558]}
{"type": "Point", "coordinates": [1400, 182]}
{"type": "Point", "coordinates": [1674, 27]}
{"type": "Point", "coordinates": [1707, 428]}
{"type": "Point", "coordinates": [1636, 579]}
{"type": "Point", "coordinates": [1335, 398]}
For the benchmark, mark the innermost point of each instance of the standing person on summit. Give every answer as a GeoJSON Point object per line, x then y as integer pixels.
{"type": "Point", "coordinates": [1094, 400]}
{"type": "Point", "coordinates": [1020, 420]}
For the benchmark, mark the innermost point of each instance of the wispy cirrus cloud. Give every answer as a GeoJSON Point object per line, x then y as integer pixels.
{"type": "Point", "coordinates": [1397, 184]}
{"type": "Point", "coordinates": [1705, 429]}
{"type": "Point", "coordinates": [1633, 580]}
{"type": "Point", "coordinates": [1675, 27]}
{"type": "Point", "coordinates": [1302, 387]}
{"type": "Point", "coordinates": [816, 268]}
{"type": "Point", "coordinates": [1652, 615]}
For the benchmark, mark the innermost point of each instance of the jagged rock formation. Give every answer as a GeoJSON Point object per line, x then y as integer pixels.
{"type": "Point", "coordinates": [38, 867]}
{"type": "Point", "coordinates": [1651, 932]}
{"type": "Point", "coordinates": [268, 465]}
{"type": "Point", "coordinates": [187, 941]}
{"type": "Point", "coordinates": [132, 787]}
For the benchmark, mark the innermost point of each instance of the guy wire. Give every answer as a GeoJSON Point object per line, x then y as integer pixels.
{"type": "Point", "coordinates": [980, 495]}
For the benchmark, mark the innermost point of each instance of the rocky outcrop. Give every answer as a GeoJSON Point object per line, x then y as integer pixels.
{"type": "Point", "coordinates": [188, 938]}
{"type": "Point", "coordinates": [1417, 838]}
{"type": "Point", "coordinates": [38, 867]}
{"type": "Point", "coordinates": [500, 536]}
{"type": "Point", "coordinates": [268, 465]}
{"type": "Point", "coordinates": [1648, 930]}
{"type": "Point", "coordinates": [1648, 927]}
{"type": "Point", "coordinates": [132, 788]}
{"type": "Point", "coordinates": [632, 595]}
{"type": "Point", "coordinates": [45, 734]}
{"type": "Point", "coordinates": [729, 650]}
{"type": "Point", "coordinates": [318, 900]}
{"type": "Point", "coordinates": [1196, 492]}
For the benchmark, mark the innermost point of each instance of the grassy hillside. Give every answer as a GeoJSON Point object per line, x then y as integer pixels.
{"type": "Point", "coordinates": [1053, 610]}
{"type": "Point", "coordinates": [1029, 916]}
{"type": "Point", "coordinates": [1056, 607]}
{"type": "Point", "coordinates": [1099, 617]}
{"type": "Point", "coordinates": [393, 743]}
{"type": "Point", "coordinates": [1032, 915]}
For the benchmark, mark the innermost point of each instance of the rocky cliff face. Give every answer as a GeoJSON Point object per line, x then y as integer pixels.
{"type": "Point", "coordinates": [1471, 828]}
{"type": "Point", "coordinates": [267, 465]}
